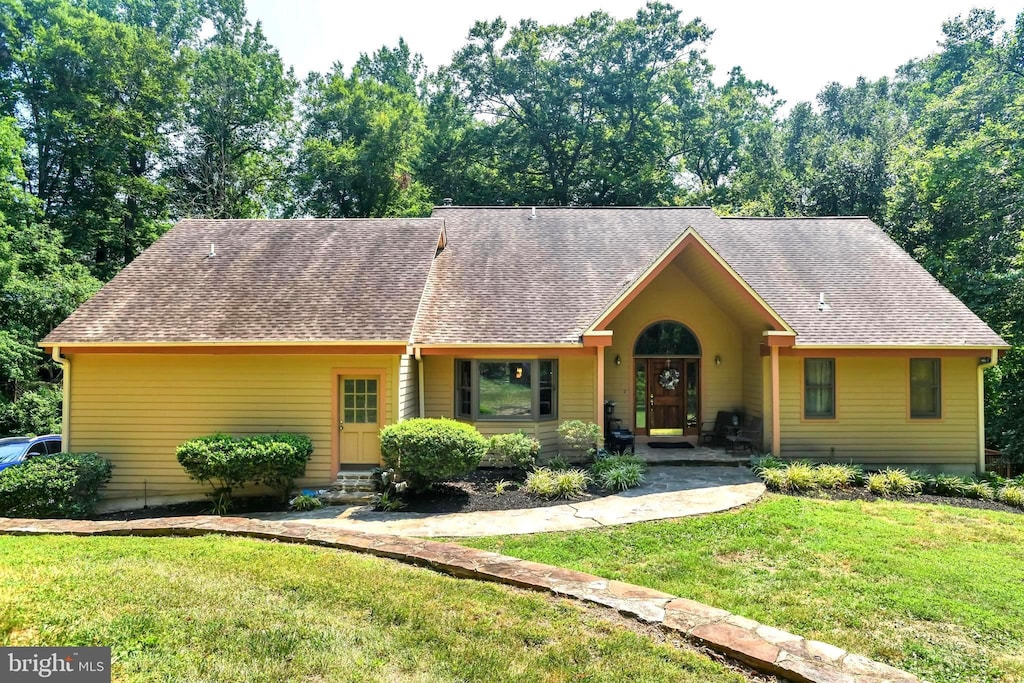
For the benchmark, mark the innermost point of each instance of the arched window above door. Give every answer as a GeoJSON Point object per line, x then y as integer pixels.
{"type": "Point", "coordinates": [667, 338]}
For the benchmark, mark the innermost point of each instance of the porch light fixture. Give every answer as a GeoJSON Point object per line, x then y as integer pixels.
{"type": "Point", "coordinates": [718, 361]}
{"type": "Point", "coordinates": [618, 359]}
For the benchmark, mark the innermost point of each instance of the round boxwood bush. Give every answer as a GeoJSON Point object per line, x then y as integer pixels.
{"type": "Point", "coordinates": [423, 451]}
{"type": "Point", "coordinates": [60, 485]}
{"type": "Point", "coordinates": [518, 449]}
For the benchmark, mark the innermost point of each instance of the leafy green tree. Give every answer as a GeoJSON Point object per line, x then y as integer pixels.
{"type": "Point", "coordinates": [577, 110]}
{"type": "Point", "coordinates": [360, 141]}
{"type": "Point", "coordinates": [95, 100]}
{"type": "Point", "coordinates": [234, 159]}
{"type": "Point", "coordinates": [40, 285]}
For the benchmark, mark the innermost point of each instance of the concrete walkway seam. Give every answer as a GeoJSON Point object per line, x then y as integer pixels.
{"type": "Point", "coordinates": [763, 648]}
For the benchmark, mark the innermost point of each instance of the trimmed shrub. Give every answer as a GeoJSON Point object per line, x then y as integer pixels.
{"type": "Point", "coordinates": [518, 449]}
{"type": "Point", "coordinates": [227, 463]}
{"type": "Point", "coordinates": [60, 485]}
{"type": "Point", "coordinates": [558, 463]}
{"type": "Point", "coordinates": [279, 459]}
{"type": "Point", "coordinates": [622, 477]}
{"type": "Point", "coordinates": [893, 482]}
{"type": "Point", "coordinates": [580, 435]}
{"type": "Point", "coordinates": [1012, 494]}
{"type": "Point", "coordinates": [423, 451]}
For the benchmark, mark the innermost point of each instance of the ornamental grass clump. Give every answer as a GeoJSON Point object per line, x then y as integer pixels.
{"type": "Point", "coordinates": [622, 477]}
{"type": "Point", "coordinates": [774, 478]}
{"type": "Point", "coordinates": [618, 472]}
{"type": "Point", "coordinates": [1012, 494]}
{"type": "Point", "coordinates": [947, 485]}
{"type": "Point", "coordinates": [980, 490]}
{"type": "Point", "coordinates": [837, 476]}
{"type": "Point", "coordinates": [799, 476]}
{"type": "Point", "coordinates": [547, 483]}
{"type": "Point", "coordinates": [893, 482]}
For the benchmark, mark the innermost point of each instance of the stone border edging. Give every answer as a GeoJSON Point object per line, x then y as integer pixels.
{"type": "Point", "coordinates": [763, 648]}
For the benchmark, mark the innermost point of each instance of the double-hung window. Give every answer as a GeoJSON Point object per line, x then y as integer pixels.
{"type": "Point", "coordinates": [819, 388]}
{"type": "Point", "coordinates": [506, 389]}
{"type": "Point", "coordinates": [925, 388]}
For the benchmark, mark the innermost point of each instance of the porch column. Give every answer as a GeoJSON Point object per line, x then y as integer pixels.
{"type": "Point", "coordinates": [776, 418]}
{"type": "Point", "coordinates": [599, 394]}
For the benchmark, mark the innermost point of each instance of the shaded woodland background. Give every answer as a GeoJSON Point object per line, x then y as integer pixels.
{"type": "Point", "coordinates": [118, 117]}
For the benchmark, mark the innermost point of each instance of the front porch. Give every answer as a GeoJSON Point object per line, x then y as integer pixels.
{"type": "Point", "coordinates": [687, 344]}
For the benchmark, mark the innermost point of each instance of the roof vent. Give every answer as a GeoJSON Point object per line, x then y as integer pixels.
{"type": "Point", "coordinates": [533, 213]}
{"type": "Point", "coordinates": [213, 251]}
{"type": "Point", "coordinates": [822, 306]}
{"type": "Point", "coordinates": [447, 201]}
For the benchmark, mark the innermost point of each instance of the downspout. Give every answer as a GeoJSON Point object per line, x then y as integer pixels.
{"type": "Point", "coordinates": [993, 359]}
{"type": "Point", "coordinates": [420, 383]}
{"type": "Point", "coordinates": [65, 404]}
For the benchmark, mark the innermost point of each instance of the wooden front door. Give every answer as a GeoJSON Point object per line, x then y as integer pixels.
{"type": "Point", "coordinates": [671, 394]}
{"type": "Point", "coordinates": [359, 423]}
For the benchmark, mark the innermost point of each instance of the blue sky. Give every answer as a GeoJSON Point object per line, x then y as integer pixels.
{"type": "Point", "coordinates": [797, 46]}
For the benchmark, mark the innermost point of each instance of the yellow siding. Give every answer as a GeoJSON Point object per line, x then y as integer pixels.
{"type": "Point", "coordinates": [576, 394]}
{"type": "Point", "coordinates": [136, 408]}
{"type": "Point", "coordinates": [753, 388]}
{"type": "Point", "coordinates": [674, 296]}
{"type": "Point", "coordinates": [873, 424]}
{"type": "Point", "coordinates": [408, 389]}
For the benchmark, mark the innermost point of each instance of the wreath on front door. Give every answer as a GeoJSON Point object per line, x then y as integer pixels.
{"type": "Point", "coordinates": [668, 378]}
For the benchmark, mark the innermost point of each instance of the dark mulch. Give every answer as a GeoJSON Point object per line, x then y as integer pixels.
{"type": "Point", "coordinates": [241, 505]}
{"type": "Point", "coordinates": [864, 494]}
{"type": "Point", "coordinates": [475, 493]}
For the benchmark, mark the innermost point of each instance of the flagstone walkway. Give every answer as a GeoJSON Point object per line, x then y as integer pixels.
{"type": "Point", "coordinates": [668, 492]}
{"type": "Point", "coordinates": [761, 647]}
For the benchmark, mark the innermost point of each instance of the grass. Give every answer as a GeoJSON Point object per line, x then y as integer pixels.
{"type": "Point", "coordinates": [224, 609]}
{"type": "Point", "coordinates": [932, 589]}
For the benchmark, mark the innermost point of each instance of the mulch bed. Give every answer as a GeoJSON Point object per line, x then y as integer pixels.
{"type": "Point", "coordinates": [241, 505]}
{"type": "Point", "coordinates": [864, 494]}
{"type": "Point", "coordinates": [475, 493]}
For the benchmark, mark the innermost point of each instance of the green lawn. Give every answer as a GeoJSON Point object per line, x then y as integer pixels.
{"type": "Point", "coordinates": [936, 590]}
{"type": "Point", "coordinates": [223, 609]}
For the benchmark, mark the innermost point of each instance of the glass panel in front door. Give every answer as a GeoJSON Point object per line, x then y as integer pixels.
{"type": "Point", "coordinates": [641, 394]}
{"type": "Point", "coordinates": [692, 396]}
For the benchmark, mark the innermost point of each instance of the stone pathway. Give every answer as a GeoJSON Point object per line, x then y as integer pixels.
{"type": "Point", "coordinates": [667, 493]}
{"type": "Point", "coordinates": [761, 647]}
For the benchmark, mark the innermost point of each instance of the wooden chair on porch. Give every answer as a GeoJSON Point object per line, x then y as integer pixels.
{"type": "Point", "coordinates": [748, 435]}
{"type": "Point", "coordinates": [722, 426]}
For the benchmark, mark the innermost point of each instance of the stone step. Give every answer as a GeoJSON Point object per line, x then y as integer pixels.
{"type": "Point", "coordinates": [336, 497]}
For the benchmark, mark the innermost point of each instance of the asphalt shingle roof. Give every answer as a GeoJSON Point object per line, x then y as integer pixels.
{"type": "Point", "coordinates": [271, 280]}
{"type": "Point", "coordinates": [505, 277]}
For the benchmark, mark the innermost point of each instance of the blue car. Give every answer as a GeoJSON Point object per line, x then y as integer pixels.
{"type": "Point", "coordinates": [17, 449]}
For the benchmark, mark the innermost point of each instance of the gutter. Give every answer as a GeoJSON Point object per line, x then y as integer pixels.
{"type": "Point", "coordinates": [992, 361]}
{"type": "Point", "coordinates": [65, 404]}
